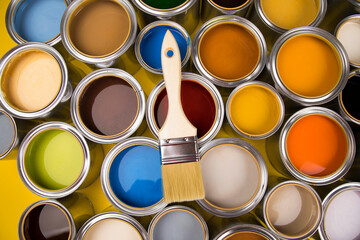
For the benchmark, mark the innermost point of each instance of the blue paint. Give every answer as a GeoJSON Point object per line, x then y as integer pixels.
{"type": "Point", "coordinates": [150, 45]}
{"type": "Point", "coordinates": [39, 20]}
{"type": "Point", "coordinates": [135, 176]}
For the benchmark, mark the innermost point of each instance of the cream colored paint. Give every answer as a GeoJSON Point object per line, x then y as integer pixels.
{"type": "Point", "coordinates": [349, 35]}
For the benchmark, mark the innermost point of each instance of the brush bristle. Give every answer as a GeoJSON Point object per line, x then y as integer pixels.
{"type": "Point", "coordinates": [182, 182]}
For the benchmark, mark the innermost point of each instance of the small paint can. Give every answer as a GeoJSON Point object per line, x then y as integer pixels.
{"type": "Point", "coordinates": [67, 160]}
{"type": "Point", "coordinates": [246, 231]}
{"type": "Point", "coordinates": [18, 72]}
{"type": "Point", "coordinates": [206, 113]}
{"type": "Point", "coordinates": [176, 223]}
{"type": "Point", "coordinates": [35, 21]}
{"type": "Point", "coordinates": [184, 12]}
{"type": "Point", "coordinates": [215, 43]}
{"type": "Point", "coordinates": [235, 177]}
{"type": "Point", "coordinates": [348, 99]}
{"type": "Point", "coordinates": [60, 219]}
{"type": "Point", "coordinates": [88, 29]}
{"type": "Point", "coordinates": [131, 177]}
{"type": "Point", "coordinates": [255, 110]}
{"type": "Point", "coordinates": [309, 65]}
{"type": "Point", "coordinates": [108, 105]}
{"type": "Point", "coordinates": [214, 8]}
{"type": "Point", "coordinates": [8, 137]}
{"type": "Point", "coordinates": [317, 146]}
{"type": "Point", "coordinates": [282, 15]}
{"type": "Point", "coordinates": [341, 211]}
{"type": "Point", "coordinates": [302, 215]}
{"type": "Point", "coordinates": [149, 40]}
{"type": "Point", "coordinates": [112, 225]}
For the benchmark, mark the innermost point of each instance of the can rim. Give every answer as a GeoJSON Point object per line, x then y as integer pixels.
{"type": "Point", "coordinates": [248, 228]}
{"type": "Point", "coordinates": [355, 3]}
{"type": "Point", "coordinates": [14, 140]}
{"type": "Point", "coordinates": [231, 11]}
{"type": "Point", "coordinates": [164, 13]}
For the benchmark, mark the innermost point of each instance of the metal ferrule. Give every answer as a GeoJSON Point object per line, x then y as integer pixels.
{"type": "Point", "coordinates": [319, 217]}
{"type": "Point", "coordinates": [228, 213]}
{"type": "Point", "coordinates": [80, 88]}
{"type": "Point", "coordinates": [15, 140]}
{"type": "Point", "coordinates": [159, 215]}
{"type": "Point", "coordinates": [111, 215]}
{"type": "Point", "coordinates": [229, 19]}
{"type": "Point", "coordinates": [105, 181]}
{"type": "Point", "coordinates": [330, 197]}
{"type": "Point", "coordinates": [210, 9]}
{"type": "Point", "coordinates": [179, 150]}
{"type": "Point", "coordinates": [325, 180]}
{"type": "Point", "coordinates": [320, 16]}
{"type": "Point", "coordinates": [266, 234]}
{"type": "Point", "coordinates": [308, 101]}
{"type": "Point", "coordinates": [63, 95]}
{"type": "Point", "coordinates": [9, 21]}
{"type": "Point", "coordinates": [151, 26]}
{"type": "Point", "coordinates": [150, 105]}
{"type": "Point", "coordinates": [22, 153]}
{"type": "Point", "coordinates": [103, 61]}
{"type": "Point", "coordinates": [282, 110]}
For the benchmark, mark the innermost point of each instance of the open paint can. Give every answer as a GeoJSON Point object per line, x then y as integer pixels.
{"type": "Point", "coordinates": [112, 225]}
{"type": "Point", "coordinates": [108, 105]}
{"type": "Point", "coordinates": [234, 175]}
{"type": "Point", "coordinates": [201, 102]}
{"type": "Point", "coordinates": [99, 32]}
{"type": "Point", "coordinates": [213, 8]}
{"type": "Point", "coordinates": [54, 160]}
{"type": "Point", "coordinates": [178, 223]}
{"type": "Point", "coordinates": [34, 81]}
{"type": "Point", "coordinates": [229, 50]}
{"type": "Point", "coordinates": [317, 146]}
{"type": "Point", "coordinates": [246, 231]}
{"type": "Point", "coordinates": [8, 136]}
{"type": "Point", "coordinates": [35, 20]}
{"type": "Point", "coordinates": [255, 110]}
{"type": "Point", "coordinates": [341, 211]}
{"type": "Point", "coordinates": [283, 15]}
{"type": "Point", "coordinates": [292, 210]}
{"type": "Point", "coordinates": [309, 65]}
{"type": "Point", "coordinates": [131, 177]}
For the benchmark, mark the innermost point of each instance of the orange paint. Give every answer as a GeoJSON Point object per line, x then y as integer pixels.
{"type": "Point", "coordinates": [229, 51]}
{"type": "Point", "coordinates": [308, 65]}
{"type": "Point", "coordinates": [316, 145]}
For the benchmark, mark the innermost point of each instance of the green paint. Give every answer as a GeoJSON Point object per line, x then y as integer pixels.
{"type": "Point", "coordinates": [54, 159]}
{"type": "Point", "coordinates": [164, 4]}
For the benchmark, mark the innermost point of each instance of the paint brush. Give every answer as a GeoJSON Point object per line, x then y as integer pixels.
{"type": "Point", "coordinates": [181, 173]}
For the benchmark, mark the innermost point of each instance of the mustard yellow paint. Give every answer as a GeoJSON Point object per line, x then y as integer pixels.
{"type": "Point", "coordinates": [254, 110]}
{"type": "Point", "coordinates": [288, 14]}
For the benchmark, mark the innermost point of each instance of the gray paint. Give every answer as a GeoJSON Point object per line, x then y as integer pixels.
{"type": "Point", "coordinates": [7, 133]}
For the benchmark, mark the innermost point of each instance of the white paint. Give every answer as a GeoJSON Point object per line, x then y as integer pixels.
{"type": "Point", "coordinates": [342, 216]}
{"type": "Point", "coordinates": [349, 35]}
{"type": "Point", "coordinates": [231, 176]}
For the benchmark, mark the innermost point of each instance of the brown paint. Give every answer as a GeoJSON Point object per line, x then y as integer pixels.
{"type": "Point", "coordinates": [246, 236]}
{"type": "Point", "coordinates": [99, 28]}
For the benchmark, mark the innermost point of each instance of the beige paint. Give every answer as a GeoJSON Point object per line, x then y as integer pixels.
{"type": "Point", "coordinates": [31, 80]}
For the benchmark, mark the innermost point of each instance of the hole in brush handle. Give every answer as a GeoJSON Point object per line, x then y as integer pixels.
{"type": "Point", "coordinates": [169, 52]}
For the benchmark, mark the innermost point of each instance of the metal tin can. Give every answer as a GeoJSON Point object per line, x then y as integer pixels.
{"type": "Point", "coordinates": [313, 216]}
{"type": "Point", "coordinates": [100, 61]}
{"type": "Point", "coordinates": [280, 104]}
{"type": "Point", "coordinates": [11, 12]}
{"type": "Point", "coordinates": [148, 29]}
{"type": "Point", "coordinates": [65, 90]}
{"type": "Point", "coordinates": [211, 9]}
{"type": "Point", "coordinates": [76, 209]}
{"type": "Point", "coordinates": [347, 162]}
{"type": "Point", "coordinates": [41, 190]}
{"type": "Point", "coordinates": [150, 105]}
{"type": "Point", "coordinates": [258, 231]}
{"type": "Point", "coordinates": [262, 180]}
{"type": "Point", "coordinates": [102, 217]}
{"type": "Point", "coordinates": [250, 27]}
{"type": "Point", "coordinates": [105, 179]}
{"type": "Point", "coordinates": [187, 210]}
{"type": "Point", "coordinates": [185, 14]}
{"type": "Point", "coordinates": [320, 16]}
{"type": "Point", "coordinates": [11, 140]}
{"type": "Point", "coordinates": [78, 93]}
{"type": "Point", "coordinates": [333, 42]}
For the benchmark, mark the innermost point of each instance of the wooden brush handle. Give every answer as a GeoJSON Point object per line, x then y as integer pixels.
{"type": "Point", "coordinates": [176, 124]}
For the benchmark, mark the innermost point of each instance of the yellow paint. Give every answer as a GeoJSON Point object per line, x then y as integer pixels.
{"type": "Point", "coordinates": [288, 14]}
{"type": "Point", "coordinates": [309, 65]}
{"type": "Point", "coordinates": [31, 80]}
{"type": "Point", "coordinates": [254, 110]}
